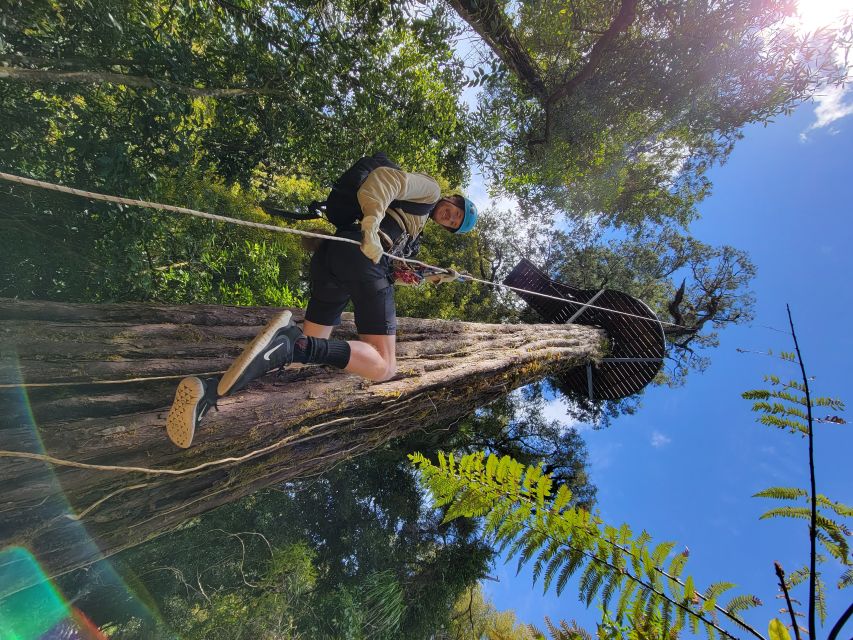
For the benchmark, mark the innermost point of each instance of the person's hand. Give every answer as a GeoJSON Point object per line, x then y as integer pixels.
{"type": "Point", "coordinates": [440, 278]}
{"type": "Point", "coordinates": [371, 246]}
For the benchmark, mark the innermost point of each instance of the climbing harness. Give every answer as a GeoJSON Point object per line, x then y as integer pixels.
{"type": "Point", "coordinates": [268, 227]}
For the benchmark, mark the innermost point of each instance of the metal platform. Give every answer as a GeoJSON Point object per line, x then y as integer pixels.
{"type": "Point", "coordinates": [637, 344]}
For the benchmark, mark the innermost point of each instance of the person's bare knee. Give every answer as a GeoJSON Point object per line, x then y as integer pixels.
{"type": "Point", "coordinates": [385, 365]}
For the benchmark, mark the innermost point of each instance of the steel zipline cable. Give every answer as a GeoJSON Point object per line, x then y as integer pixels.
{"type": "Point", "coordinates": [309, 234]}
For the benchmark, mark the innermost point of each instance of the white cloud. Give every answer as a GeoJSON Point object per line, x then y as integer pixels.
{"type": "Point", "coordinates": [659, 440]}
{"type": "Point", "coordinates": [555, 409]}
{"type": "Point", "coordinates": [831, 106]}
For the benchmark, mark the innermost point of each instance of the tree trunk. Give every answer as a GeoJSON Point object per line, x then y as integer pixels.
{"type": "Point", "coordinates": [91, 385]}
{"type": "Point", "coordinates": [487, 18]}
{"type": "Point", "coordinates": [490, 22]}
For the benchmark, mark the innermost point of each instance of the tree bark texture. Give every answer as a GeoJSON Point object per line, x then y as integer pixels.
{"type": "Point", "coordinates": [98, 381]}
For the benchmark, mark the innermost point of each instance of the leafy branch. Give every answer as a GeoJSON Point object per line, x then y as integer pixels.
{"type": "Point", "coordinates": [790, 406]}
{"type": "Point", "coordinates": [523, 518]}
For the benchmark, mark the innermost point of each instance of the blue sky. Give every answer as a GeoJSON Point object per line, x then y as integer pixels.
{"type": "Point", "coordinates": [685, 466]}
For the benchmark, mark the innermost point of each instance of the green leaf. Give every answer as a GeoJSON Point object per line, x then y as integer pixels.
{"type": "Point", "coordinates": [778, 631]}
{"type": "Point", "coordinates": [689, 589]}
{"type": "Point", "coordinates": [781, 493]}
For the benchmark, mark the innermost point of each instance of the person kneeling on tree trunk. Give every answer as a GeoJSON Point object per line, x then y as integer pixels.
{"type": "Point", "coordinates": [389, 205]}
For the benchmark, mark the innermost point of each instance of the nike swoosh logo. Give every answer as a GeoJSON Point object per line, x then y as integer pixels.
{"type": "Point", "coordinates": [268, 353]}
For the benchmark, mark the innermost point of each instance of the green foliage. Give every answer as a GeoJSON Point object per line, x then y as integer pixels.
{"type": "Point", "coordinates": [790, 406]}
{"type": "Point", "coordinates": [355, 554]}
{"type": "Point", "coordinates": [526, 517]}
{"type": "Point", "coordinates": [780, 408]}
{"type": "Point", "coordinates": [563, 631]}
{"type": "Point", "coordinates": [630, 138]}
{"type": "Point", "coordinates": [321, 85]}
{"type": "Point", "coordinates": [778, 631]}
{"type": "Point", "coordinates": [475, 617]}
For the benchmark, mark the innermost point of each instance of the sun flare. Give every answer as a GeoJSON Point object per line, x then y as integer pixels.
{"type": "Point", "coordinates": [814, 14]}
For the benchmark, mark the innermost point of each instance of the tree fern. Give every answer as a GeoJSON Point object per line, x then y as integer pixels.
{"type": "Point", "coordinates": [790, 406]}
{"type": "Point", "coordinates": [525, 516]}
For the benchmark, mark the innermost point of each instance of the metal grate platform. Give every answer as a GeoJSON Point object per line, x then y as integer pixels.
{"type": "Point", "coordinates": [637, 346]}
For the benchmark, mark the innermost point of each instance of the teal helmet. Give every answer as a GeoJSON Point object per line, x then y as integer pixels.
{"type": "Point", "coordinates": [470, 218]}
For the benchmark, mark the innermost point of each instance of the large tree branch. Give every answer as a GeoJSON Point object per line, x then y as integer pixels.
{"type": "Point", "coordinates": [487, 18]}
{"type": "Point", "coordinates": [627, 14]}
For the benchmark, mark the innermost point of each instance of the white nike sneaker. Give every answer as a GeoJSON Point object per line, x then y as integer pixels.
{"type": "Point", "coordinates": [271, 349]}
{"type": "Point", "coordinates": [192, 400]}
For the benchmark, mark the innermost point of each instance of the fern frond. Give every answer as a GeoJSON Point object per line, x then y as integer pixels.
{"type": "Point", "coordinates": [576, 559]}
{"type": "Point", "coordinates": [756, 394]}
{"type": "Point", "coordinates": [802, 513]}
{"type": "Point", "coordinates": [666, 619]}
{"type": "Point", "coordinates": [546, 554]}
{"type": "Point", "coordinates": [661, 552]}
{"type": "Point", "coordinates": [586, 582]}
{"type": "Point", "coordinates": [835, 550]}
{"type": "Point", "coordinates": [556, 561]}
{"type": "Point", "coordinates": [694, 625]}
{"type": "Point", "coordinates": [832, 527]}
{"type": "Point", "coordinates": [680, 621]}
{"type": "Point", "coordinates": [782, 493]}
{"type": "Point", "coordinates": [741, 603]}
{"type": "Point", "coordinates": [552, 628]}
{"type": "Point", "coordinates": [689, 589]}
{"type": "Point", "coordinates": [839, 507]}
{"type": "Point", "coordinates": [676, 566]}
{"type": "Point", "coordinates": [832, 403]}
{"type": "Point", "coordinates": [613, 582]}
{"type": "Point", "coordinates": [797, 577]}
{"type": "Point", "coordinates": [784, 423]}
{"type": "Point", "coordinates": [624, 600]}
{"type": "Point", "coordinates": [795, 384]}
{"type": "Point", "coordinates": [709, 630]}
{"type": "Point", "coordinates": [820, 599]}
{"type": "Point", "coordinates": [712, 593]}
{"type": "Point", "coordinates": [653, 605]}
{"type": "Point", "coordinates": [846, 579]}
{"type": "Point", "coordinates": [594, 585]}
{"type": "Point", "coordinates": [790, 397]}
{"type": "Point", "coordinates": [777, 408]}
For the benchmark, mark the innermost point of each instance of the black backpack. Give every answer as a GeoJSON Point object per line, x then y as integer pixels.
{"type": "Point", "coordinates": [341, 206]}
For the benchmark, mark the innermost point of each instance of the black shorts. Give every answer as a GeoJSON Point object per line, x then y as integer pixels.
{"type": "Point", "coordinates": [340, 272]}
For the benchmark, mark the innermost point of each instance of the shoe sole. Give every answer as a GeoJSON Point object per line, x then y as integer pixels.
{"type": "Point", "coordinates": [180, 423]}
{"type": "Point", "coordinates": [251, 352]}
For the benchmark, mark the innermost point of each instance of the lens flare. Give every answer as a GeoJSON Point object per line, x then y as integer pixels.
{"type": "Point", "coordinates": [31, 606]}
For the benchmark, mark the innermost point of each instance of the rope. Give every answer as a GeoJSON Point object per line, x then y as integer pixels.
{"type": "Point", "coordinates": [268, 227]}
{"type": "Point", "coordinates": [86, 383]}
{"type": "Point", "coordinates": [41, 457]}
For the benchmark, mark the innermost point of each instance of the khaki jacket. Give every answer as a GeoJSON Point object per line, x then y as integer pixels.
{"type": "Point", "coordinates": [385, 185]}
